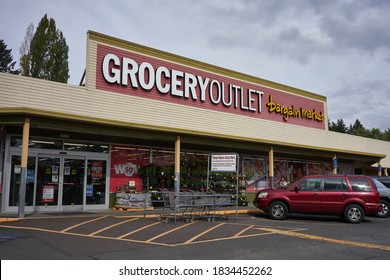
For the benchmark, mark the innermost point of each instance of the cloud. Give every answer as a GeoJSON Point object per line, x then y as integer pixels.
{"type": "Point", "coordinates": [336, 48]}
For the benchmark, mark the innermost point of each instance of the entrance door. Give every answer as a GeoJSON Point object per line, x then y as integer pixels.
{"type": "Point", "coordinates": [60, 183]}
{"type": "Point", "coordinates": [73, 182]}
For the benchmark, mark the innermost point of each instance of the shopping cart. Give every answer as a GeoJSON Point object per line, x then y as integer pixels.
{"type": "Point", "coordinates": [188, 206]}
{"type": "Point", "coordinates": [177, 206]}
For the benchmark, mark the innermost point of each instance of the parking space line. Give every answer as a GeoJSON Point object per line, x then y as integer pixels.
{"type": "Point", "coordinates": [137, 230]}
{"type": "Point", "coordinates": [242, 231]}
{"type": "Point", "coordinates": [169, 231]}
{"type": "Point", "coordinates": [326, 239]}
{"type": "Point", "coordinates": [83, 223]}
{"type": "Point", "coordinates": [225, 238]}
{"type": "Point", "coordinates": [84, 235]}
{"type": "Point", "coordinates": [203, 233]}
{"type": "Point", "coordinates": [111, 226]}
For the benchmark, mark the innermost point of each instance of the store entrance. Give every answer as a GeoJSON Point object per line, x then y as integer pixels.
{"type": "Point", "coordinates": [60, 182]}
{"type": "Point", "coordinates": [57, 182]}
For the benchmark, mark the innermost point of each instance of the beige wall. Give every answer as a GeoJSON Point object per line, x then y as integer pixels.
{"type": "Point", "coordinates": [22, 94]}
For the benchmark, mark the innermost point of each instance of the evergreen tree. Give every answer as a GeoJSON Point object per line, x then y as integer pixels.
{"type": "Point", "coordinates": [25, 51]}
{"type": "Point", "coordinates": [357, 126]}
{"type": "Point", "coordinates": [386, 135]}
{"type": "Point", "coordinates": [6, 60]}
{"type": "Point", "coordinates": [49, 53]}
{"type": "Point", "coordinates": [376, 133]}
{"type": "Point", "coordinates": [339, 126]}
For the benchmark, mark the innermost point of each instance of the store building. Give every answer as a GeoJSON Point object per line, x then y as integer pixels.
{"type": "Point", "coordinates": [151, 119]}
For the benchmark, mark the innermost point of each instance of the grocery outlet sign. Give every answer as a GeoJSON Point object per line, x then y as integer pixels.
{"type": "Point", "coordinates": [144, 76]}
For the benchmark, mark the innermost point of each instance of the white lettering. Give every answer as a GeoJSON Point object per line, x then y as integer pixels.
{"type": "Point", "coordinates": [160, 70]}
{"type": "Point", "coordinates": [218, 87]}
{"type": "Point", "coordinates": [106, 67]}
{"type": "Point", "coordinates": [227, 103]}
{"type": "Point", "coordinates": [203, 85]}
{"type": "Point", "coordinates": [251, 100]}
{"type": "Point", "coordinates": [126, 71]}
{"type": "Point", "coordinates": [242, 106]}
{"type": "Point", "coordinates": [176, 83]}
{"type": "Point", "coordinates": [129, 72]}
{"type": "Point", "coordinates": [190, 83]}
{"type": "Point", "coordinates": [146, 83]}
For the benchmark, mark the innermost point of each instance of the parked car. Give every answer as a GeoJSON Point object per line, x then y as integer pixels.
{"type": "Point", "coordinates": [383, 187]}
{"type": "Point", "coordinates": [351, 197]}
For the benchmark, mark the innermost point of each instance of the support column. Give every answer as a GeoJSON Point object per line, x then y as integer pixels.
{"type": "Point", "coordinates": [271, 167]}
{"type": "Point", "coordinates": [23, 178]}
{"type": "Point", "coordinates": [177, 164]}
{"type": "Point", "coordinates": [334, 159]}
{"type": "Point", "coordinates": [379, 168]}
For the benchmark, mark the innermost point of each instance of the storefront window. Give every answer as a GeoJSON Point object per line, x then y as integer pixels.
{"type": "Point", "coordinates": [255, 174]}
{"type": "Point", "coordinates": [16, 171]}
{"type": "Point", "coordinates": [296, 169]}
{"type": "Point", "coordinates": [37, 143]}
{"type": "Point", "coordinates": [315, 168]}
{"type": "Point", "coordinates": [59, 144]}
{"type": "Point", "coordinates": [281, 173]}
{"type": "Point", "coordinates": [160, 173]}
{"type": "Point", "coordinates": [193, 171]}
{"type": "Point", "coordinates": [127, 163]}
{"type": "Point", "coordinates": [85, 147]}
{"type": "Point", "coordinates": [346, 169]}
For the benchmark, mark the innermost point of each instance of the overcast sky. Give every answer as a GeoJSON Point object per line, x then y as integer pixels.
{"type": "Point", "coordinates": [339, 49]}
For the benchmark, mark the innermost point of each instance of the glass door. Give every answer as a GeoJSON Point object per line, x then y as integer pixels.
{"type": "Point", "coordinates": [96, 189]}
{"type": "Point", "coordinates": [48, 185]}
{"type": "Point", "coordinates": [57, 182]}
{"type": "Point", "coordinates": [15, 181]}
{"type": "Point", "coordinates": [60, 183]}
{"type": "Point", "coordinates": [73, 183]}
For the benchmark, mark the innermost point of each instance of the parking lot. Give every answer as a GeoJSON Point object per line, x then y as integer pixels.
{"type": "Point", "coordinates": [246, 236]}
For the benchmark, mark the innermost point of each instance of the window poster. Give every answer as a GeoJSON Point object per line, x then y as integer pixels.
{"type": "Point", "coordinates": [47, 193]}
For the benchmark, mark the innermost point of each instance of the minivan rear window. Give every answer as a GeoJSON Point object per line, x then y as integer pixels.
{"type": "Point", "coordinates": [360, 185]}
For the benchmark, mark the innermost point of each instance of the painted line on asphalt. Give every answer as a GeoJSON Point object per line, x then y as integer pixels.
{"type": "Point", "coordinates": [111, 226]}
{"type": "Point", "coordinates": [83, 223]}
{"type": "Point", "coordinates": [327, 239]}
{"type": "Point", "coordinates": [84, 235]}
{"type": "Point", "coordinates": [236, 236]}
{"type": "Point", "coordinates": [202, 233]}
{"type": "Point", "coordinates": [7, 220]}
{"type": "Point", "coordinates": [137, 230]}
{"type": "Point", "coordinates": [169, 231]}
{"type": "Point", "coordinates": [242, 231]}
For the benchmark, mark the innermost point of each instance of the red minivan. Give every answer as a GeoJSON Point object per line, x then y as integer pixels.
{"type": "Point", "coordinates": [349, 196]}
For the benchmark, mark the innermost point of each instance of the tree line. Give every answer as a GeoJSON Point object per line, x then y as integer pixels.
{"type": "Point", "coordinates": [43, 53]}
{"type": "Point", "coordinates": [358, 129]}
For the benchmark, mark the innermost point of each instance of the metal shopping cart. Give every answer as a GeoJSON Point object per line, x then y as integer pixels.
{"type": "Point", "coordinates": [177, 206]}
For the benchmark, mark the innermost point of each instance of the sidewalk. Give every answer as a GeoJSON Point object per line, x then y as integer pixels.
{"type": "Point", "coordinates": [139, 213]}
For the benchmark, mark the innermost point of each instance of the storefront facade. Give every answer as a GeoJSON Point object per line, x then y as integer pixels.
{"type": "Point", "coordinates": [151, 119]}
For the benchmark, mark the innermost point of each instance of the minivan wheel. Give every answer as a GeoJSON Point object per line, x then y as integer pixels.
{"type": "Point", "coordinates": [278, 210]}
{"type": "Point", "coordinates": [385, 209]}
{"type": "Point", "coordinates": [354, 213]}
